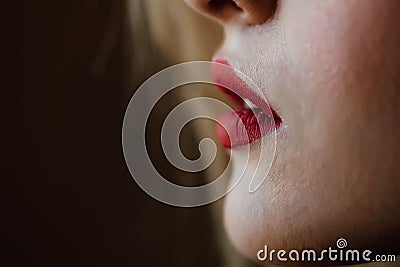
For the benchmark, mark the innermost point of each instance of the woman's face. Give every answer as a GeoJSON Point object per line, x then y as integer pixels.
{"type": "Point", "coordinates": [331, 70]}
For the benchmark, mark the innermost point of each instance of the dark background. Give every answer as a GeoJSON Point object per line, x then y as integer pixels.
{"type": "Point", "coordinates": [69, 199]}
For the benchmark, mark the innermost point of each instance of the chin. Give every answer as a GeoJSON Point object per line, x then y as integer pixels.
{"type": "Point", "coordinates": [309, 206]}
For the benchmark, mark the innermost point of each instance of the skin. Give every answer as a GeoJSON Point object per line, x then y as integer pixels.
{"type": "Point", "coordinates": [331, 69]}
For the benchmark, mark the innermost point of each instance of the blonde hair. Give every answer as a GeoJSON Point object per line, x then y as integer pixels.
{"type": "Point", "coordinates": [181, 34]}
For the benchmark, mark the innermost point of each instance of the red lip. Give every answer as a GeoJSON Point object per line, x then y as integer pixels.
{"type": "Point", "coordinates": [255, 123]}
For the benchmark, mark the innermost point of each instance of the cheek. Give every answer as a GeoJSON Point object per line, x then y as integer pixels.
{"type": "Point", "coordinates": [337, 142]}
{"type": "Point", "coordinates": [332, 65]}
{"type": "Point", "coordinates": [341, 99]}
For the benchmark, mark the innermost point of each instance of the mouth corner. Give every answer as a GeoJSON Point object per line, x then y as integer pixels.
{"type": "Point", "coordinates": [257, 117]}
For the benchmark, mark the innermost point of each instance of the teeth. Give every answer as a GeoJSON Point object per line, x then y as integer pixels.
{"type": "Point", "coordinates": [249, 104]}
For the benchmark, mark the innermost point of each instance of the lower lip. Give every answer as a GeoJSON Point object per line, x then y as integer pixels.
{"type": "Point", "coordinates": [238, 128]}
{"type": "Point", "coordinates": [241, 127]}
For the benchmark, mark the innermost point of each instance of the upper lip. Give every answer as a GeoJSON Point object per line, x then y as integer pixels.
{"type": "Point", "coordinates": [227, 78]}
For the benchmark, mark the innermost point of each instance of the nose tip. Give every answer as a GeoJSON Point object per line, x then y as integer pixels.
{"type": "Point", "coordinates": [246, 12]}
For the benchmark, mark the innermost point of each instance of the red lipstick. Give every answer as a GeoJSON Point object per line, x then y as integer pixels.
{"type": "Point", "coordinates": [255, 122]}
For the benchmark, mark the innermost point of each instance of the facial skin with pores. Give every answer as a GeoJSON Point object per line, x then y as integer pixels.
{"type": "Point", "coordinates": [331, 69]}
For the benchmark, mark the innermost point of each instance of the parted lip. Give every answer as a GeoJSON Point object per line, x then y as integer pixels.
{"type": "Point", "coordinates": [243, 126]}
{"type": "Point", "coordinates": [238, 89]}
